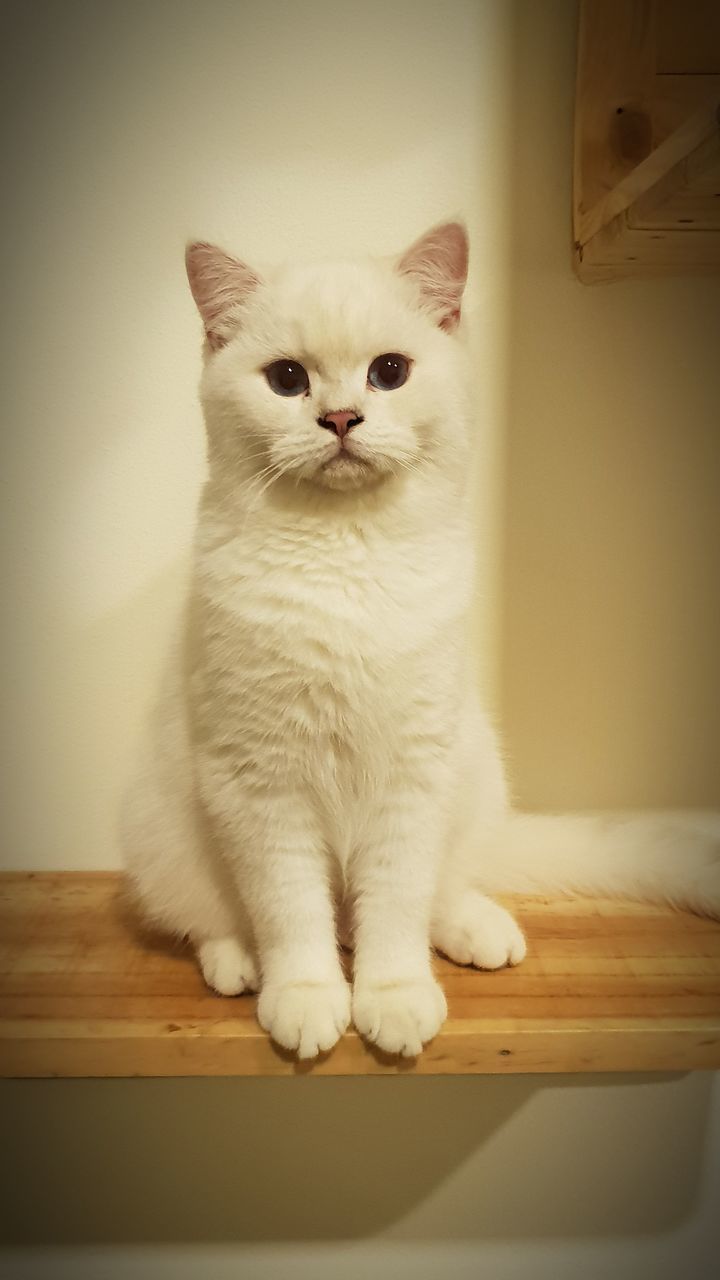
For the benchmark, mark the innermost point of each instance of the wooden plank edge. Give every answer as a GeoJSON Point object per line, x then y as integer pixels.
{"type": "Point", "coordinates": [610, 271]}
{"type": "Point", "coordinates": [457, 1051]}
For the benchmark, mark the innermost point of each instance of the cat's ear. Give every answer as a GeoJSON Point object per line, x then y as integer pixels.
{"type": "Point", "coordinates": [219, 284]}
{"type": "Point", "coordinates": [438, 263]}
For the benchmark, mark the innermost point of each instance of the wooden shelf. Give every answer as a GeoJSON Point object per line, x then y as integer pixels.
{"type": "Point", "coordinates": [646, 184]}
{"type": "Point", "coordinates": [605, 987]}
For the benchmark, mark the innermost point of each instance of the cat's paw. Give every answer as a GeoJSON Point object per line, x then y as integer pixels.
{"type": "Point", "coordinates": [475, 930]}
{"type": "Point", "coordinates": [227, 966]}
{"type": "Point", "coordinates": [399, 1017]}
{"type": "Point", "coordinates": [306, 1017]}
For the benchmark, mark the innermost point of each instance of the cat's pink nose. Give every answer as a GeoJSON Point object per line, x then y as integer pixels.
{"type": "Point", "coordinates": [341, 422]}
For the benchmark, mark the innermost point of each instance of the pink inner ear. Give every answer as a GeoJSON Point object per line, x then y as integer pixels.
{"type": "Point", "coordinates": [438, 263]}
{"type": "Point", "coordinates": [219, 284]}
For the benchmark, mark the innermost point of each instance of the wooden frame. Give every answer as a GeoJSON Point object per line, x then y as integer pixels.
{"type": "Point", "coordinates": [646, 188]}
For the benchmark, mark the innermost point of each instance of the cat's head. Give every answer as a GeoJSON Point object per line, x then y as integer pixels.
{"type": "Point", "coordinates": [338, 375]}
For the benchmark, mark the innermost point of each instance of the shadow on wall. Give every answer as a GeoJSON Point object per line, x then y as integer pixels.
{"type": "Point", "coordinates": [221, 1160]}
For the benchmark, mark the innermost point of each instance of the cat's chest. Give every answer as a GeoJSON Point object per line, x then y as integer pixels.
{"type": "Point", "coordinates": [335, 647]}
{"type": "Point", "coordinates": [335, 597]}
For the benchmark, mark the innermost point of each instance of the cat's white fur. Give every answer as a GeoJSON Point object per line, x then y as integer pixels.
{"type": "Point", "coordinates": [319, 759]}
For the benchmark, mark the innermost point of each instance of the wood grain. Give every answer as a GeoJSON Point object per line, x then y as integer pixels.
{"type": "Point", "coordinates": [606, 986]}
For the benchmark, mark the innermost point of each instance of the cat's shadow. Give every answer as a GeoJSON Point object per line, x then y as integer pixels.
{"type": "Point", "coordinates": [250, 1160]}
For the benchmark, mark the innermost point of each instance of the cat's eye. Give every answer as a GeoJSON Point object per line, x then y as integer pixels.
{"type": "Point", "coordinates": [388, 371]}
{"type": "Point", "coordinates": [287, 378]}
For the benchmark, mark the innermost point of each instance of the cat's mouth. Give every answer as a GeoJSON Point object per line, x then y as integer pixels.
{"type": "Point", "coordinates": [345, 470]}
{"type": "Point", "coordinates": [343, 459]}
{"type": "Point", "coordinates": [351, 465]}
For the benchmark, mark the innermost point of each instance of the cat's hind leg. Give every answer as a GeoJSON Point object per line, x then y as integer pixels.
{"type": "Point", "coordinates": [227, 964]}
{"type": "Point", "coordinates": [175, 874]}
{"type": "Point", "coordinates": [466, 925]}
{"type": "Point", "coordinates": [470, 929]}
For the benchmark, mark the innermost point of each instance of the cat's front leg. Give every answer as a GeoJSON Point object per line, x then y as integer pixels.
{"type": "Point", "coordinates": [397, 1003]}
{"type": "Point", "coordinates": [277, 854]}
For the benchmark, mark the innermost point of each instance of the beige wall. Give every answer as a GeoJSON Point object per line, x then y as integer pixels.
{"type": "Point", "coordinates": [610, 570]}
{"type": "Point", "coordinates": [337, 126]}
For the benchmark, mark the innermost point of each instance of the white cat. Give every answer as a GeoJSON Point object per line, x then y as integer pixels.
{"type": "Point", "coordinates": [319, 750]}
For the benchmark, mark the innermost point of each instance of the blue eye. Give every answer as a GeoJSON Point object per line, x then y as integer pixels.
{"type": "Point", "coordinates": [388, 371]}
{"type": "Point", "coordinates": [287, 378]}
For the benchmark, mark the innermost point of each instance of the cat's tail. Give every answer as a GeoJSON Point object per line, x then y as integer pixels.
{"type": "Point", "coordinates": [671, 857]}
